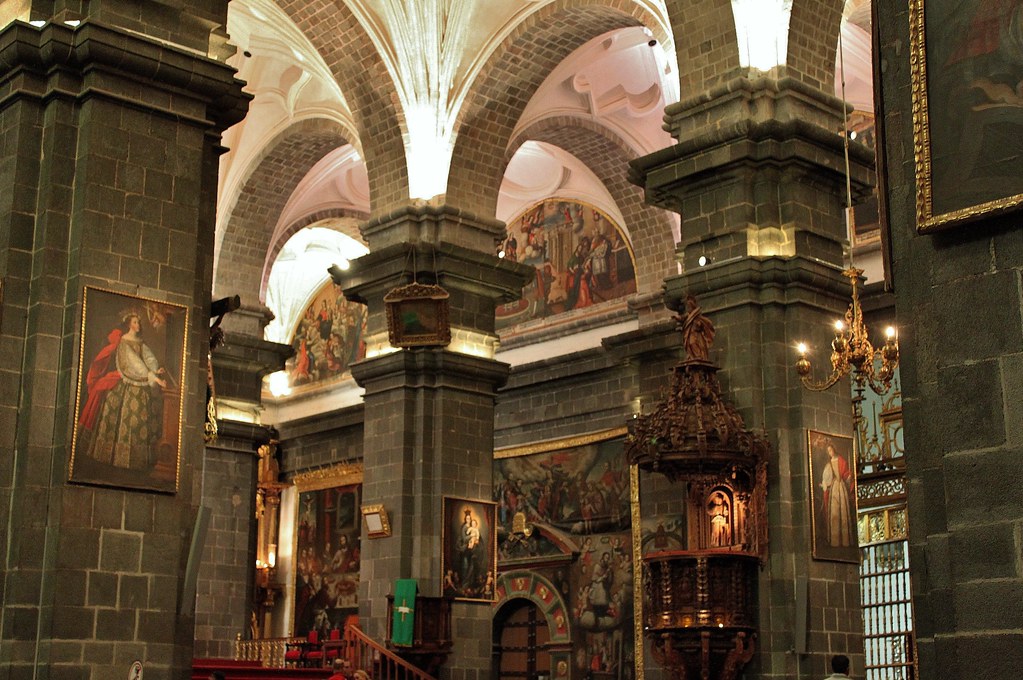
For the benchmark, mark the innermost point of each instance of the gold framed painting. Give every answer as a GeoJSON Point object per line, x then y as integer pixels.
{"type": "Point", "coordinates": [832, 475]}
{"type": "Point", "coordinates": [967, 110]}
{"type": "Point", "coordinates": [418, 316]}
{"type": "Point", "coordinates": [469, 549]}
{"type": "Point", "coordinates": [128, 397]}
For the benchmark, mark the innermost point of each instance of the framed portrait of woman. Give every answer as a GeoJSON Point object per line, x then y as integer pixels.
{"type": "Point", "coordinates": [832, 474]}
{"type": "Point", "coordinates": [128, 396]}
{"type": "Point", "coordinates": [469, 552]}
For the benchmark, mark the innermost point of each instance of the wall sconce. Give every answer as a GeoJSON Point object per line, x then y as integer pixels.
{"type": "Point", "coordinates": [377, 523]}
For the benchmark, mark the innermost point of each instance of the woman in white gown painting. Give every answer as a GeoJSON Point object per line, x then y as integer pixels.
{"type": "Point", "coordinates": [836, 481]}
{"type": "Point", "coordinates": [123, 416]}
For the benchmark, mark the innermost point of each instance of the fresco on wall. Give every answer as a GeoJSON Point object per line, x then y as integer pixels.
{"type": "Point", "coordinates": [581, 257]}
{"type": "Point", "coordinates": [575, 501]}
{"type": "Point", "coordinates": [663, 533]}
{"type": "Point", "coordinates": [328, 339]}
{"type": "Point", "coordinates": [327, 564]}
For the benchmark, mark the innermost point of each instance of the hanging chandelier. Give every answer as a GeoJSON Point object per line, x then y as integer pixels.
{"type": "Point", "coordinates": [852, 352]}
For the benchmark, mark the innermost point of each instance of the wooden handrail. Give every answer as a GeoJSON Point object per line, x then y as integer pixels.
{"type": "Point", "coordinates": [380, 663]}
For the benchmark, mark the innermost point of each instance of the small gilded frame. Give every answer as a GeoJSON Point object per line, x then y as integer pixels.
{"type": "Point", "coordinates": [967, 110]}
{"type": "Point", "coordinates": [377, 523]}
{"type": "Point", "coordinates": [417, 316]}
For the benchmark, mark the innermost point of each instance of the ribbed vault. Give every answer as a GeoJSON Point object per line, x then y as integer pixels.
{"type": "Point", "coordinates": [509, 80]}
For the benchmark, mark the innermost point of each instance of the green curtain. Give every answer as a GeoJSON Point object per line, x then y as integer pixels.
{"type": "Point", "coordinates": [404, 612]}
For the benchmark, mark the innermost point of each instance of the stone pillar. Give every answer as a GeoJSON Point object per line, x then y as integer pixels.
{"type": "Point", "coordinates": [759, 179]}
{"type": "Point", "coordinates": [429, 413]}
{"type": "Point", "coordinates": [109, 161]}
{"type": "Point", "coordinates": [961, 333]}
{"type": "Point", "coordinates": [224, 592]}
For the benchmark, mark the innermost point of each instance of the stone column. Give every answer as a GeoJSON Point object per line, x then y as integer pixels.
{"type": "Point", "coordinates": [758, 176]}
{"type": "Point", "coordinates": [961, 329]}
{"type": "Point", "coordinates": [109, 162]}
{"type": "Point", "coordinates": [224, 593]}
{"type": "Point", "coordinates": [429, 413]}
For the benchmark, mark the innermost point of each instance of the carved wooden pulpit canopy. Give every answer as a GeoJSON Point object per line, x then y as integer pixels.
{"type": "Point", "coordinates": [700, 601]}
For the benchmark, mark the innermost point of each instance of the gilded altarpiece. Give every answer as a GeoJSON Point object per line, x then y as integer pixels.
{"type": "Point", "coordinates": [327, 550]}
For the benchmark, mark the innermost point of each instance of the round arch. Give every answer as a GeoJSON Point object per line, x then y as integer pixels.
{"type": "Point", "coordinates": [607, 155]}
{"type": "Point", "coordinates": [273, 177]}
{"type": "Point", "coordinates": [705, 43]}
{"type": "Point", "coordinates": [506, 83]}
{"type": "Point", "coordinates": [813, 41]}
{"type": "Point", "coordinates": [329, 216]}
{"type": "Point", "coordinates": [351, 55]}
{"type": "Point", "coordinates": [529, 585]}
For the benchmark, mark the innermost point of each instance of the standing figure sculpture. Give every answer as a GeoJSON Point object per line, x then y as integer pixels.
{"type": "Point", "coordinates": [697, 331]}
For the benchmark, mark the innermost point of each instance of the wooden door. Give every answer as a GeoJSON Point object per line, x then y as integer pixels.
{"type": "Point", "coordinates": [520, 642]}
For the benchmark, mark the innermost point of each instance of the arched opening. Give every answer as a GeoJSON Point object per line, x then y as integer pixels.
{"type": "Point", "coordinates": [521, 639]}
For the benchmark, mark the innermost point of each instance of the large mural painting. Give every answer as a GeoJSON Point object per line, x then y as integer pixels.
{"type": "Point", "coordinates": [572, 501]}
{"type": "Point", "coordinates": [328, 339]}
{"type": "Point", "coordinates": [327, 565]}
{"type": "Point", "coordinates": [581, 256]}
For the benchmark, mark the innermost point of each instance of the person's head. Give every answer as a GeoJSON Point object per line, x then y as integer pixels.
{"type": "Point", "coordinates": [131, 322]}
{"type": "Point", "coordinates": [217, 675]}
{"type": "Point", "coordinates": [338, 665]}
{"type": "Point", "coordinates": [831, 451]}
{"type": "Point", "coordinates": [840, 664]}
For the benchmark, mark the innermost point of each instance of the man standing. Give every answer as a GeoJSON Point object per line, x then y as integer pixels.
{"type": "Point", "coordinates": [839, 668]}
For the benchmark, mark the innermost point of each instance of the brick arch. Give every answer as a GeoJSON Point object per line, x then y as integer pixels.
{"type": "Point", "coordinates": [705, 43]}
{"type": "Point", "coordinates": [301, 223]}
{"type": "Point", "coordinates": [508, 81]}
{"type": "Point", "coordinates": [351, 56]}
{"type": "Point", "coordinates": [608, 156]}
{"type": "Point", "coordinates": [251, 220]}
{"type": "Point", "coordinates": [813, 41]}
{"type": "Point", "coordinates": [538, 589]}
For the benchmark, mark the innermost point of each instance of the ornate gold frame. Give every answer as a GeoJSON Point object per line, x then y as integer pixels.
{"type": "Point", "coordinates": [110, 311]}
{"type": "Point", "coordinates": [342, 474]}
{"type": "Point", "coordinates": [927, 221]}
{"type": "Point", "coordinates": [380, 512]}
{"type": "Point", "coordinates": [418, 316]}
{"type": "Point", "coordinates": [811, 474]}
{"type": "Point", "coordinates": [491, 510]}
{"type": "Point", "coordinates": [555, 444]}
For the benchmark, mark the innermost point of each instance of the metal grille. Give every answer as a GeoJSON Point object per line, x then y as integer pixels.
{"type": "Point", "coordinates": [887, 611]}
{"type": "Point", "coordinates": [886, 599]}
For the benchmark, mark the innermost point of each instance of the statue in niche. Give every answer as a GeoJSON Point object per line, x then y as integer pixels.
{"type": "Point", "coordinates": [719, 509]}
{"type": "Point", "coordinates": [697, 331]}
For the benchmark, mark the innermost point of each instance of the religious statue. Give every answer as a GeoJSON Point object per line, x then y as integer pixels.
{"type": "Point", "coordinates": [697, 331]}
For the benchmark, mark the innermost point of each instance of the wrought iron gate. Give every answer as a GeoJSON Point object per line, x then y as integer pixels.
{"type": "Point", "coordinates": [888, 641]}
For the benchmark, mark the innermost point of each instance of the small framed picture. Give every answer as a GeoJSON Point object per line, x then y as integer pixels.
{"type": "Point", "coordinates": [417, 316]}
{"type": "Point", "coordinates": [377, 523]}
{"type": "Point", "coordinates": [469, 553]}
{"type": "Point", "coordinates": [128, 405]}
{"type": "Point", "coordinates": [832, 474]}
